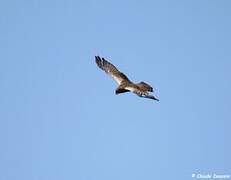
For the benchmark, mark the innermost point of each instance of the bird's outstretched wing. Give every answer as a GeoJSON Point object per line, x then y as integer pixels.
{"type": "Point", "coordinates": [145, 87]}
{"type": "Point", "coordinates": [111, 70]}
{"type": "Point", "coordinates": [141, 91]}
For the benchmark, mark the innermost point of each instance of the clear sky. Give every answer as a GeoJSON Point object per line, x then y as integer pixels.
{"type": "Point", "coordinates": [59, 116]}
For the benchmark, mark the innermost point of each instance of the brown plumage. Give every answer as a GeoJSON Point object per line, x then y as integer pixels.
{"type": "Point", "coordinates": [141, 89]}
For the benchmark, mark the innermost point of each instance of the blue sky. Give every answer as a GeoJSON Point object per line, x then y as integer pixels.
{"type": "Point", "coordinates": [60, 117]}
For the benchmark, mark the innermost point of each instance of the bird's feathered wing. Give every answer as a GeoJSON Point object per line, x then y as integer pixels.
{"type": "Point", "coordinates": [141, 91]}
{"type": "Point", "coordinates": [111, 70]}
{"type": "Point", "coordinates": [145, 87]}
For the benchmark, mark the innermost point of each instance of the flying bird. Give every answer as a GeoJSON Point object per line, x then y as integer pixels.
{"type": "Point", "coordinates": [141, 89]}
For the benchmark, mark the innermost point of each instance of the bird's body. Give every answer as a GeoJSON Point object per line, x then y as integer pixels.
{"type": "Point", "coordinates": [141, 89]}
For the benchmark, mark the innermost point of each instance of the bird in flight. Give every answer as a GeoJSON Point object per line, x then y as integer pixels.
{"type": "Point", "coordinates": [141, 89]}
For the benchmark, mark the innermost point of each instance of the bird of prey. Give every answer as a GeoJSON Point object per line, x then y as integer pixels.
{"type": "Point", "coordinates": [141, 89]}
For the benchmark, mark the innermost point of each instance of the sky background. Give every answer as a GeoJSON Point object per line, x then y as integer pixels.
{"type": "Point", "coordinates": [59, 115]}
